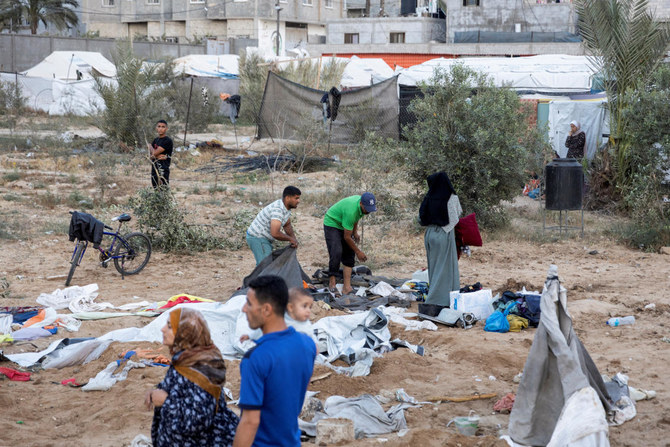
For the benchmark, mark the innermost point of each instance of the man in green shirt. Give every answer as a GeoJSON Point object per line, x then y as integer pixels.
{"type": "Point", "coordinates": [340, 227]}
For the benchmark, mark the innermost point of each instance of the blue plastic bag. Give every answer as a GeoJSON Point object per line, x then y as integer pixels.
{"type": "Point", "coordinates": [497, 322]}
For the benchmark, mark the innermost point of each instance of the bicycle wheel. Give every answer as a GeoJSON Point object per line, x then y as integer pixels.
{"type": "Point", "coordinates": [132, 253]}
{"type": "Point", "coordinates": [76, 259]}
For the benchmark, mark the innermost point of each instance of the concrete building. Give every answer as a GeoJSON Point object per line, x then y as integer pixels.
{"type": "Point", "coordinates": [511, 20]}
{"type": "Point", "coordinates": [254, 21]}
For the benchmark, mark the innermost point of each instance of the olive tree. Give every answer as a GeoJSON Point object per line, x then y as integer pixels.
{"type": "Point", "coordinates": [479, 134]}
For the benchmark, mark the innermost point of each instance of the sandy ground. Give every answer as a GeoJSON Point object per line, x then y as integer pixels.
{"type": "Point", "coordinates": [603, 279]}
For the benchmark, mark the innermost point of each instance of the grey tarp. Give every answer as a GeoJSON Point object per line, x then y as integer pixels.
{"type": "Point", "coordinates": [290, 111]}
{"type": "Point", "coordinates": [283, 263]}
{"type": "Point", "coordinates": [558, 366]}
{"type": "Point", "coordinates": [365, 411]}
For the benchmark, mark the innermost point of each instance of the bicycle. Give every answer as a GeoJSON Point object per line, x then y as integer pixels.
{"type": "Point", "coordinates": [130, 253]}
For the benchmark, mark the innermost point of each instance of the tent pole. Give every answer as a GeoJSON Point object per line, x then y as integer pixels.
{"type": "Point", "coordinates": [188, 110]}
{"type": "Point", "coordinates": [237, 145]}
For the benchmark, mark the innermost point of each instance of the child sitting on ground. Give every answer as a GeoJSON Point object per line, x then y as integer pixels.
{"type": "Point", "coordinates": [297, 314]}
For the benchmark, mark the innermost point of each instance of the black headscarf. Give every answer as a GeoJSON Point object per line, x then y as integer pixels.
{"type": "Point", "coordinates": [433, 210]}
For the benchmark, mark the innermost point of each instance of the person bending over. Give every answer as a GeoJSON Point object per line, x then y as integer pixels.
{"type": "Point", "coordinates": [340, 228]}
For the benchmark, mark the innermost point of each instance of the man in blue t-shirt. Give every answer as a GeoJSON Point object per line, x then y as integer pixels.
{"type": "Point", "coordinates": [274, 374]}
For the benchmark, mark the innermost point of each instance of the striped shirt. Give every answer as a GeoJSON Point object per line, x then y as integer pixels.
{"type": "Point", "coordinates": [260, 227]}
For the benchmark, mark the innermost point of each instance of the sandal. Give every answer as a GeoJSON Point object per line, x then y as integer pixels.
{"type": "Point", "coordinates": [336, 293]}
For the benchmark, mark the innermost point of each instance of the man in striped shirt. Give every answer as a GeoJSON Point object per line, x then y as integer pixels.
{"type": "Point", "coordinates": [269, 222]}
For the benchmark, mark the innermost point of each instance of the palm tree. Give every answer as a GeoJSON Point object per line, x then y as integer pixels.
{"type": "Point", "coordinates": [626, 44]}
{"type": "Point", "coordinates": [58, 12]}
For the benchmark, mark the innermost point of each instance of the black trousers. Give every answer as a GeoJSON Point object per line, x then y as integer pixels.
{"type": "Point", "coordinates": [338, 250]}
{"type": "Point", "coordinates": [160, 174]}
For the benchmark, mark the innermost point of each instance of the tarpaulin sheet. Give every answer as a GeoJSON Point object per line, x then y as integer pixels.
{"type": "Point", "coordinates": [289, 108]}
{"type": "Point", "coordinates": [558, 367]}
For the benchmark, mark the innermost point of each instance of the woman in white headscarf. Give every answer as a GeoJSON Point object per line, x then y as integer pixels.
{"type": "Point", "coordinates": [576, 141]}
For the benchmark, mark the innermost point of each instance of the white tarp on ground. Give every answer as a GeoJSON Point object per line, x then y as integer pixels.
{"type": "Point", "coordinates": [65, 64]}
{"type": "Point", "coordinates": [208, 65]}
{"type": "Point", "coordinates": [357, 338]}
{"type": "Point", "coordinates": [546, 73]}
{"type": "Point", "coordinates": [590, 114]}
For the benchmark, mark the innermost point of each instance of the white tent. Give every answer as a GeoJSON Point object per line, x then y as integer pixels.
{"type": "Point", "coordinates": [64, 65]}
{"type": "Point", "coordinates": [363, 72]}
{"type": "Point", "coordinates": [551, 73]}
{"type": "Point", "coordinates": [58, 97]}
{"type": "Point", "coordinates": [209, 65]}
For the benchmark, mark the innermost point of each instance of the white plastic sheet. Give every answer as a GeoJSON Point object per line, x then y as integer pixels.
{"type": "Point", "coordinates": [106, 378]}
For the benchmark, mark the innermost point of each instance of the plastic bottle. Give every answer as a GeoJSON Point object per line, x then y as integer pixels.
{"type": "Point", "coordinates": [614, 322]}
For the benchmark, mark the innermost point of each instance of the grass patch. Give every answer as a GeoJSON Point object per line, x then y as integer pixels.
{"type": "Point", "coordinates": [11, 197]}
{"type": "Point", "coordinates": [646, 236]}
{"type": "Point", "coordinates": [12, 176]}
{"type": "Point", "coordinates": [48, 200]}
{"type": "Point", "coordinates": [77, 200]}
{"type": "Point", "coordinates": [56, 226]}
{"type": "Point", "coordinates": [213, 202]}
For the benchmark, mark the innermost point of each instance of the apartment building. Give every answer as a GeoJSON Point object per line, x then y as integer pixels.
{"type": "Point", "coordinates": [300, 21]}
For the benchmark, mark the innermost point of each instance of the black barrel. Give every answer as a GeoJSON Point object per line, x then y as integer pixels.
{"type": "Point", "coordinates": [564, 179]}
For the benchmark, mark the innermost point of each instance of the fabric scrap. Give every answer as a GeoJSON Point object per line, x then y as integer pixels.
{"type": "Point", "coordinates": [17, 376]}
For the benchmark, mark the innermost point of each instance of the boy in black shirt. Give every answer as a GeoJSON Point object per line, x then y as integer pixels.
{"type": "Point", "coordinates": [160, 151]}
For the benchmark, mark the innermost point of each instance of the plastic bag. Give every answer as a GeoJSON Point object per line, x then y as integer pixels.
{"type": "Point", "coordinates": [497, 322]}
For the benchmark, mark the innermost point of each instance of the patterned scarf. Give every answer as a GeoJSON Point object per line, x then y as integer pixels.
{"type": "Point", "coordinates": [194, 354]}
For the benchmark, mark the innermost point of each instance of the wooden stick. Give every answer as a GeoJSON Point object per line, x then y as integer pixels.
{"type": "Point", "coordinates": [461, 398]}
{"type": "Point", "coordinates": [322, 376]}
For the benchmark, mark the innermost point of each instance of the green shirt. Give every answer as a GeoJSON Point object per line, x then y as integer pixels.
{"type": "Point", "coordinates": [344, 214]}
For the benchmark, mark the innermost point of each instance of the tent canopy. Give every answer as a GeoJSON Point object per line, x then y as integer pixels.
{"type": "Point", "coordinates": [209, 65]}
{"type": "Point", "coordinates": [64, 65]}
{"type": "Point", "coordinates": [551, 73]}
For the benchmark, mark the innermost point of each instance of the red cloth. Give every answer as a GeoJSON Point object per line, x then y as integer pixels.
{"type": "Point", "coordinates": [467, 231]}
{"type": "Point", "coordinates": [15, 375]}
{"type": "Point", "coordinates": [505, 404]}
{"type": "Point", "coordinates": [71, 381]}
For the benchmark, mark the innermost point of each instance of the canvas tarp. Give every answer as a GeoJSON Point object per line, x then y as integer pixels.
{"type": "Point", "coordinates": [64, 65]}
{"type": "Point", "coordinates": [558, 367]}
{"type": "Point", "coordinates": [283, 263]}
{"type": "Point", "coordinates": [288, 109]}
{"type": "Point", "coordinates": [208, 65]}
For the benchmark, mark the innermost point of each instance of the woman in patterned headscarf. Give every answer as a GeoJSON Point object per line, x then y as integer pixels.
{"type": "Point", "coordinates": [189, 409]}
{"type": "Point", "coordinates": [576, 141]}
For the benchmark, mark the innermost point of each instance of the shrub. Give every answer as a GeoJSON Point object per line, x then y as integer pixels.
{"type": "Point", "coordinates": [160, 217]}
{"type": "Point", "coordinates": [477, 133]}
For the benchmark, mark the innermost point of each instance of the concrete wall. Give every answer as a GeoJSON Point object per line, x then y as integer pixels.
{"type": "Point", "coordinates": [502, 15]}
{"type": "Point", "coordinates": [378, 30]}
{"type": "Point", "coordinates": [19, 52]}
{"type": "Point", "coordinates": [461, 49]}
{"type": "Point", "coordinates": [114, 21]}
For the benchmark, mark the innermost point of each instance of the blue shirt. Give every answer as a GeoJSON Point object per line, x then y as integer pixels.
{"type": "Point", "coordinates": [275, 375]}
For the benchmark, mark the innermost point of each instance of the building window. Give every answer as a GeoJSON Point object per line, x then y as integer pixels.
{"type": "Point", "coordinates": [197, 1]}
{"type": "Point", "coordinates": [307, 2]}
{"type": "Point", "coordinates": [107, 3]}
{"type": "Point", "coordinates": [153, 2]}
{"type": "Point", "coordinates": [329, 3]}
{"type": "Point", "coordinates": [397, 38]}
{"type": "Point", "coordinates": [350, 37]}
{"type": "Point", "coordinates": [470, 2]}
